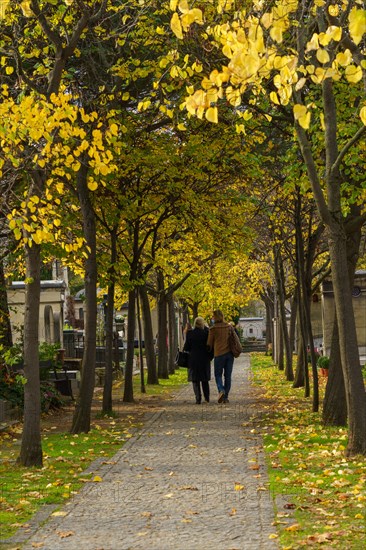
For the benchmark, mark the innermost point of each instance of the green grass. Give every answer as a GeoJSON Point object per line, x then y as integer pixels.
{"type": "Point", "coordinates": [24, 490]}
{"type": "Point", "coordinates": [324, 490]}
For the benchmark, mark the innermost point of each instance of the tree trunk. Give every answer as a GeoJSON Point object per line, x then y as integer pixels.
{"type": "Point", "coordinates": [335, 405]}
{"type": "Point", "coordinates": [162, 329]}
{"type": "Point", "coordinates": [109, 337]}
{"type": "Point", "coordinates": [354, 384]}
{"type": "Point", "coordinates": [269, 303]}
{"type": "Point", "coordinates": [282, 313]}
{"type": "Point", "coordinates": [81, 419]}
{"type": "Point", "coordinates": [141, 355]}
{"type": "Point", "coordinates": [107, 406]}
{"type": "Point", "coordinates": [6, 337]}
{"type": "Point", "coordinates": [173, 335]}
{"type": "Point", "coordinates": [152, 377]}
{"type": "Point", "coordinates": [31, 446]}
{"type": "Point", "coordinates": [131, 321]}
{"type": "Point", "coordinates": [299, 381]}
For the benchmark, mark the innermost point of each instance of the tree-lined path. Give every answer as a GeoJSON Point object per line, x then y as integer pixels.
{"type": "Point", "coordinates": [193, 477]}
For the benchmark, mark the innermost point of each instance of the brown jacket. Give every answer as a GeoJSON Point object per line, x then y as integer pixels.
{"type": "Point", "coordinates": [218, 338]}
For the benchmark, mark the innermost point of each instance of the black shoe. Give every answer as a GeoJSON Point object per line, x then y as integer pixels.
{"type": "Point", "coordinates": [207, 399]}
{"type": "Point", "coordinates": [226, 400]}
{"type": "Point", "coordinates": [198, 402]}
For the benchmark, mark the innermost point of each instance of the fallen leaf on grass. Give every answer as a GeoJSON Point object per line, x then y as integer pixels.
{"type": "Point", "coordinates": [294, 527]}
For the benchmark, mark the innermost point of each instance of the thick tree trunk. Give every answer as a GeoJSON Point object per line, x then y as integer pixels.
{"type": "Point", "coordinates": [282, 313]}
{"type": "Point", "coordinates": [107, 406]}
{"type": "Point", "coordinates": [335, 405]}
{"type": "Point", "coordinates": [173, 336]}
{"type": "Point", "coordinates": [6, 337]}
{"type": "Point", "coordinates": [131, 320]}
{"type": "Point", "coordinates": [268, 300]}
{"type": "Point", "coordinates": [152, 377]}
{"type": "Point", "coordinates": [31, 447]}
{"type": "Point", "coordinates": [81, 419]}
{"type": "Point", "coordinates": [141, 355]}
{"type": "Point", "coordinates": [162, 329]}
{"type": "Point", "coordinates": [354, 384]}
{"type": "Point", "coordinates": [109, 337]}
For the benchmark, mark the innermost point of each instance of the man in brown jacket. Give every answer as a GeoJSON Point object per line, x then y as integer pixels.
{"type": "Point", "coordinates": [218, 341]}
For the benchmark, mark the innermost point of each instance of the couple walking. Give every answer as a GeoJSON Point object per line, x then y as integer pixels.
{"type": "Point", "coordinates": [204, 344]}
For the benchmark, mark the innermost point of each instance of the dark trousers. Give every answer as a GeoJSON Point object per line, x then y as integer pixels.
{"type": "Point", "coordinates": [205, 390]}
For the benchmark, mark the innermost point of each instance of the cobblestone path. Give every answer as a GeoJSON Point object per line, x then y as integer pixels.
{"type": "Point", "coordinates": [193, 478]}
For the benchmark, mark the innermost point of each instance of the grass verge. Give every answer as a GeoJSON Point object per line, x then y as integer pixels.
{"type": "Point", "coordinates": [319, 494]}
{"type": "Point", "coordinates": [23, 491]}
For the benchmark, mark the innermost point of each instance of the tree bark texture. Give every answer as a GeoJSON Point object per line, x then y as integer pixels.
{"type": "Point", "coordinates": [31, 446]}
{"type": "Point", "coordinates": [131, 320]}
{"type": "Point", "coordinates": [81, 419]}
{"type": "Point", "coordinates": [162, 329]}
{"type": "Point", "coordinates": [152, 376]}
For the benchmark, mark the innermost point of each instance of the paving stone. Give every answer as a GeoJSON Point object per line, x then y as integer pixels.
{"type": "Point", "coordinates": [193, 477]}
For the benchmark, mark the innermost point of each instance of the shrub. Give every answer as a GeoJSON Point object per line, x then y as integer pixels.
{"type": "Point", "coordinates": [323, 362]}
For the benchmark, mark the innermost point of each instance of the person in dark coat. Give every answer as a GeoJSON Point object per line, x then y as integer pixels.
{"type": "Point", "coordinates": [199, 371]}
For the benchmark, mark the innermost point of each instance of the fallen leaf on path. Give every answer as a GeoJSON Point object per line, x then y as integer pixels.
{"type": "Point", "coordinates": [188, 488]}
{"type": "Point", "coordinates": [65, 534]}
{"type": "Point", "coordinates": [59, 513]}
{"type": "Point", "coordinates": [37, 544]}
{"type": "Point", "coordinates": [97, 479]}
{"type": "Point", "coordinates": [239, 487]}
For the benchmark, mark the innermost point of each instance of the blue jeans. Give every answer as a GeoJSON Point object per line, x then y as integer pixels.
{"type": "Point", "coordinates": [223, 365]}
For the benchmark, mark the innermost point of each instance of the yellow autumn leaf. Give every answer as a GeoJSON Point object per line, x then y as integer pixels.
{"type": "Point", "coordinates": [239, 487]}
{"type": "Point", "coordinates": [344, 58]}
{"type": "Point", "coordinates": [333, 10]}
{"type": "Point", "coordinates": [322, 56]}
{"type": "Point", "coordinates": [176, 26]}
{"type": "Point", "coordinates": [181, 127]}
{"type": "Point", "coordinates": [173, 4]}
{"type": "Point", "coordinates": [274, 98]}
{"type": "Point", "coordinates": [299, 111]}
{"type": "Point", "coordinates": [212, 115]}
{"type": "Point", "coordinates": [92, 185]}
{"type": "Point", "coordinates": [363, 115]}
{"type": "Point", "coordinates": [183, 6]}
{"type": "Point", "coordinates": [113, 129]}
{"type": "Point", "coordinates": [357, 24]}
{"type": "Point", "coordinates": [9, 70]}
{"type": "Point", "coordinates": [276, 34]}
{"type": "Point", "coordinates": [26, 9]}
{"type": "Point", "coordinates": [353, 73]}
